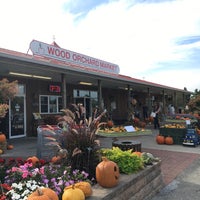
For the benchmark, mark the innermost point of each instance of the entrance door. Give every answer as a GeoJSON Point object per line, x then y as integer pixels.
{"type": "Point", "coordinates": [17, 117]}
{"type": "Point", "coordinates": [86, 103]}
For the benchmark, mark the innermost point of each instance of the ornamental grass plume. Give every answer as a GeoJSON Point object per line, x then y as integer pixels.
{"type": "Point", "coordinates": [79, 138]}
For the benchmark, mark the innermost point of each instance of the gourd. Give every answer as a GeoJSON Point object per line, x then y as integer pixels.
{"type": "Point", "coordinates": [169, 140]}
{"type": "Point", "coordinates": [160, 139]}
{"type": "Point", "coordinates": [84, 186]}
{"type": "Point", "coordinates": [73, 194]}
{"type": "Point", "coordinates": [43, 194]}
{"type": "Point", "coordinates": [107, 173]}
{"type": "Point", "coordinates": [1, 151]}
{"type": "Point", "coordinates": [2, 137]}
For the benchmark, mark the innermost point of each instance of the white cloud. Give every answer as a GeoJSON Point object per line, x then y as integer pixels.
{"type": "Point", "coordinates": [140, 38]}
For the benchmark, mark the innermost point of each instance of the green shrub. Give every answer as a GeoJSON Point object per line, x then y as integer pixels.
{"type": "Point", "coordinates": [127, 162]}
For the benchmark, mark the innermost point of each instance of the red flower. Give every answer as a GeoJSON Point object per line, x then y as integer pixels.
{"type": "Point", "coordinates": [19, 161]}
{"type": "Point", "coordinates": [42, 162]}
{"type": "Point", "coordinates": [6, 186]}
{"type": "Point", "coordinates": [11, 161]}
{"type": "Point", "coordinates": [3, 197]}
{"type": "Point", "coordinates": [2, 161]}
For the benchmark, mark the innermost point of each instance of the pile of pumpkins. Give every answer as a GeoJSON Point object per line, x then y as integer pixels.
{"type": "Point", "coordinates": [160, 139]}
{"type": "Point", "coordinates": [107, 176]}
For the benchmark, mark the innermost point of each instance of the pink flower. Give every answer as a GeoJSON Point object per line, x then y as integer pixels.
{"type": "Point", "coordinates": [42, 170]}
{"type": "Point", "coordinates": [14, 169]}
{"type": "Point", "coordinates": [25, 174]}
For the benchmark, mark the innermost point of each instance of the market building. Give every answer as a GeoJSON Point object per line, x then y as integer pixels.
{"type": "Point", "coordinates": [50, 78]}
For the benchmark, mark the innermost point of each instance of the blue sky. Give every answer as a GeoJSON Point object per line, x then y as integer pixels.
{"type": "Point", "coordinates": [154, 40]}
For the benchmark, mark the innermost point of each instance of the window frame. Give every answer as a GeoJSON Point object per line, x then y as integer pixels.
{"type": "Point", "coordinates": [57, 97]}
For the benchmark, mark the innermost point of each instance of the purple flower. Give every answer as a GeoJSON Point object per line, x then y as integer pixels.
{"type": "Point", "coordinates": [46, 181]}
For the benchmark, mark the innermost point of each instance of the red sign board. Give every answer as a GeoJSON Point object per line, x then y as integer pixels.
{"type": "Point", "coordinates": [54, 88]}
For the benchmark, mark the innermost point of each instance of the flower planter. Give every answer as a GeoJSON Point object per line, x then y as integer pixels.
{"type": "Point", "coordinates": [141, 186]}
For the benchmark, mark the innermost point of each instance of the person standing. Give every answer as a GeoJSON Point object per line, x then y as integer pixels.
{"type": "Point", "coordinates": [145, 112]}
{"type": "Point", "coordinates": [172, 110]}
{"type": "Point", "coordinates": [156, 110]}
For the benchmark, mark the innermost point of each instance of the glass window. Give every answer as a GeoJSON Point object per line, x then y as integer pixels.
{"type": "Point", "coordinates": [50, 104]}
{"type": "Point", "coordinates": [85, 93]}
{"type": "Point", "coordinates": [93, 94]}
{"type": "Point", "coordinates": [21, 89]}
{"type": "Point", "coordinates": [43, 104]}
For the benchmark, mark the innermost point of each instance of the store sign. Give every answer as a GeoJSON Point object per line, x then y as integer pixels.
{"type": "Point", "coordinates": [54, 88]}
{"type": "Point", "coordinates": [50, 51]}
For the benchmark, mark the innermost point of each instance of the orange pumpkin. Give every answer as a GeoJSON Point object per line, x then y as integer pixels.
{"type": "Point", "coordinates": [107, 173]}
{"type": "Point", "coordinates": [110, 123]}
{"type": "Point", "coordinates": [160, 139]}
{"type": "Point", "coordinates": [137, 153]}
{"type": "Point", "coordinates": [73, 194]}
{"type": "Point", "coordinates": [2, 137]}
{"type": "Point", "coordinates": [10, 146]}
{"type": "Point", "coordinates": [169, 140]}
{"type": "Point", "coordinates": [84, 186]}
{"type": "Point", "coordinates": [43, 194]}
{"type": "Point", "coordinates": [56, 159]}
{"type": "Point", "coordinates": [33, 159]}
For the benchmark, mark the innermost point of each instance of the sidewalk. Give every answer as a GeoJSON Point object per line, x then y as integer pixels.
{"type": "Point", "coordinates": [180, 164]}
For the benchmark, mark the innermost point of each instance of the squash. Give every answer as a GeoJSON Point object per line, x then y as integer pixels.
{"type": "Point", "coordinates": [1, 151]}
{"type": "Point", "coordinates": [107, 173]}
{"type": "Point", "coordinates": [2, 137]}
{"type": "Point", "coordinates": [169, 140]}
{"type": "Point", "coordinates": [43, 194]}
{"type": "Point", "coordinates": [73, 194]}
{"type": "Point", "coordinates": [160, 139]}
{"type": "Point", "coordinates": [84, 186]}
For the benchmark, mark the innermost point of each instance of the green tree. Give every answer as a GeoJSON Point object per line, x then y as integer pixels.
{"type": "Point", "coordinates": [194, 102]}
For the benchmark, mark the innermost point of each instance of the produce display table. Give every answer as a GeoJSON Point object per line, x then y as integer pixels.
{"type": "Point", "coordinates": [178, 134]}
{"type": "Point", "coordinates": [125, 134]}
{"type": "Point", "coordinates": [127, 144]}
